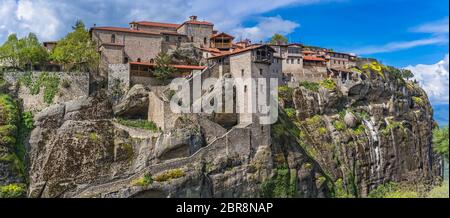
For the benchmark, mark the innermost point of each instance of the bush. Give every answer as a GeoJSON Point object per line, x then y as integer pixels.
{"type": "Point", "coordinates": [290, 112]}
{"type": "Point", "coordinates": [418, 101]}
{"type": "Point", "coordinates": [141, 124]}
{"type": "Point", "coordinates": [310, 85]}
{"type": "Point", "coordinates": [12, 191]}
{"type": "Point", "coordinates": [282, 185]}
{"type": "Point", "coordinates": [285, 92]}
{"type": "Point", "coordinates": [168, 175]}
{"type": "Point", "coordinates": [27, 120]}
{"type": "Point", "coordinates": [339, 125]}
{"type": "Point", "coordinates": [328, 84]}
{"type": "Point", "coordinates": [143, 181]}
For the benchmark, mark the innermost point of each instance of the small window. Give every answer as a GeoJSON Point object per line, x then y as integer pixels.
{"type": "Point", "coordinates": [167, 38]}
{"type": "Point", "coordinates": [204, 40]}
{"type": "Point", "coordinates": [245, 88]}
{"type": "Point", "coordinates": [260, 71]}
{"type": "Point", "coordinates": [179, 38]}
{"type": "Point", "coordinates": [113, 38]}
{"type": "Point", "coordinates": [152, 61]}
{"type": "Point", "coordinates": [292, 61]}
{"type": "Point", "coordinates": [298, 61]}
{"type": "Point", "coordinates": [242, 72]}
{"type": "Point", "coordinates": [125, 60]}
{"type": "Point", "coordinates": [138, 60]}
{"type": "Point", "coordinates": [192, 39]}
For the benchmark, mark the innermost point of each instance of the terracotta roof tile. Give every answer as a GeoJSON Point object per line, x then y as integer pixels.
{"type": "Point", "coordinates": [126, 30]}
{"type": "Point", "coordinates": [156, 24]}
{"type": "Point", "coordinates": [312, 58]}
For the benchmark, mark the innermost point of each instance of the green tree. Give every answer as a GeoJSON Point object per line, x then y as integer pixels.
{"type": "Point", "coordinates": [76, 50]}
{"type": "Point", "coordinates": [278, 39]}
{"type": "Point", "coordinates": [407, 74]}
{"type": "Point", "coordinates": [440, 141]}
{"type": "Point", "coordinates": [163, 69]}
{"type": "Point", "coordinates": [23, 53]}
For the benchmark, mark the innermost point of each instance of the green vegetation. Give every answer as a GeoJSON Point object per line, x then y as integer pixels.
{"type": "Point", "coordinates": [310, 85]}
{"type": "Point", "coordinates": [285, 92]}
{"type": "Point", "coordinates": [440, 141]}
{"type": "Point", "coordinates": [313, 121]}
{"type": "Point", "coordinates": [141, 124]}
{"type": "Point", "coordinates": [143, 181]}
{"type": "Point", "coordinates": [168, 175]}
{"type": "Point", "coordinates": [46, 80]}
{"type": "Point", "coordinates": [339, 125]}
{"type": "Point", "coordinates": [163, 69]}
{"type": "Point", "coordinates": [360, 129]}
{"type": "Point", "coordinates": [76, 51]}
{"type": "Point", "coordinates": [27, 119]}
{"type": "Point", "coordinates": [23, 53]}
{"type": "Point", "coordinates": [439, 191]}
{"type": "Point", "coordinates": [278, 39]}
{"type": "Point", "coordinates": [12, 133]}
{"type": "Point", "coordinates": [396, 190]}
{"type": "Point", "coordinates": [94, 137]}
{"type": "Point", "coordinates": [328, 84]}
{"type": "Point", "coordinates": [290, 112]}
{"type": "Point", "coordinates": [13, 191]}
{"type": "Point", "coordinates": [391, 126]}
{"type": "Point", "coordinates": [282, 185]}
{"type": "Point", "coordinates": [340, 191]}
{"type": "Point", "coordinates": [417, 100]}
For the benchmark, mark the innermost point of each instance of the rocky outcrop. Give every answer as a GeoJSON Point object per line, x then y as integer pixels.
{"type": "Point", "coordinates": [134, 104]}
{"type": "Point", "coordinates": [369, 131]}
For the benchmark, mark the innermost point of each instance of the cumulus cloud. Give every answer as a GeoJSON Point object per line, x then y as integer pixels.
{"type": "Point", "coordinates": [265, 28]}
{"type": "Point", "coordinates": [51, 19]}
{"type": "Point", "coordinates": [434, 79]}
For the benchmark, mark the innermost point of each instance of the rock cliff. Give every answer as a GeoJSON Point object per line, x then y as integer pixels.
{"type": "Point", "coordinates": [337, 138]}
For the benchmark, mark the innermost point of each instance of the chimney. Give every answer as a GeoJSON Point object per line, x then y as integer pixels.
{"type": "Point", "coordinates": [193, 18]}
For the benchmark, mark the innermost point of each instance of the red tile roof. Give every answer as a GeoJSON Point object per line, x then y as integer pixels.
{"type": "Point", "coordinates": [156, 24]}
{"type": "Point", "coordinates": [308, 52]}
{"type": "Point", "coordinates": [126, 30]}
{"type": "Point", "coordinates": [312, 58]}
{"type": "Point", "coordinates": [198, 22]}
{"type": "Point", "coordinates": [237, 51]}
{"type": "Point", "coordinates": [187, 67]}
{"type": "Point", "coordinates": [222, 34]}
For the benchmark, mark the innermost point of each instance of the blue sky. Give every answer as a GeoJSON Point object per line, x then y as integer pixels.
{"type": "Point", "coordinates": [402, 33]}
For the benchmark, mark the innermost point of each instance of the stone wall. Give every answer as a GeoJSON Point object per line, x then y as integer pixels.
{"type": "Point", "coordinates": [119, 77]}
{"type": "Point", "coordinates": [199, 33]}
{"type": "Point", "coordinates": [71, 85]}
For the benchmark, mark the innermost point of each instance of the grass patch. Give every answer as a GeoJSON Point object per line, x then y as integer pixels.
{"type": "Point", "coordinates": [141, 124]}
{"type": "Point", "coordinates": [312, 86]}
{"type": "Point", "coordinates": [417, 100]}
{"type": "Point", "coordinates": [168, 175]}
{"type": "Point", "coordinates": [143, 181]}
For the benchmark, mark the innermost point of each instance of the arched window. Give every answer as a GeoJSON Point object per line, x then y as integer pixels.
{"type": "Point", "coordinates": [192, 39]}
{"type": "Point", "coordinates": [125, 60]}
{"type": "Point", "coordinates": [138, 60]}
{"type": "Point", "coordinates": [113, 38]}
{"type": "Point", "coordinates": [204, 40]}
{"type": "Point", "coordinates": [152, 61]}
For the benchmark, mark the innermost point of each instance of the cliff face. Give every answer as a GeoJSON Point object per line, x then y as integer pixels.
{"type": "Point", "coordinates": [334, 139]}
{"type": "Point", "coordinates": [373, 129]}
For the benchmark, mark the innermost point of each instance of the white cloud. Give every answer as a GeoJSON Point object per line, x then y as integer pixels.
{"type": "Point", "coordinates": [435, 27]}
{"type": "Point", "coordinates": [265, 28]}
{"type": "Point", "coordinates": [51, 19]}
{"type": "Point", "coordinates": [434, 79]}
{"type": "Point", "coordinates": [402, 45]}
{"type": "Point", "coordinates": [439, 36]}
